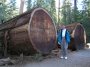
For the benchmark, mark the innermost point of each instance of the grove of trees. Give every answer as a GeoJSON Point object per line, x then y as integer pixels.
{"type": "Point", "coordinates": [67, 13]}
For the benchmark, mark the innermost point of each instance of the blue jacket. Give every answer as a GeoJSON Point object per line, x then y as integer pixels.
{"type": "Point", "coordinates": [59, 36]}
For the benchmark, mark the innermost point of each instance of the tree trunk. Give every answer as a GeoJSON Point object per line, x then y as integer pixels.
{"type": "Point", "coordinates": [75, 10]}
{"type": "Point", "coordinates": [58, 10]}
{"type": "Point", "coordinates": [21, 6]}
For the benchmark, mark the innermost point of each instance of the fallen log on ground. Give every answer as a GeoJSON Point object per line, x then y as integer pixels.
{"type": "Point", "coordinates": [78, 36]}
{"type": "Point", "coordinates": [30, 32]}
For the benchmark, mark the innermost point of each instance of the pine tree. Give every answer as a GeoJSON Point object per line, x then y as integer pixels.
{"type": "Point", "coordinates": [66, 12]}
{"type": "Point", "coordinates": [7, 11]}
{"type": "Point", "coordinates": [29, 4]}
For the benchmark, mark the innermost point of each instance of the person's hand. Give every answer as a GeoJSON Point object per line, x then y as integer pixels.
{"type": "Point", "coordinates": [58, 43]}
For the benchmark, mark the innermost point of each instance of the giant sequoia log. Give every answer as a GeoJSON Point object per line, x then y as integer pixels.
{"type": "Point", "coordinates": [30, 32]}
{"type": "Point", "coordinates": [78, 36]}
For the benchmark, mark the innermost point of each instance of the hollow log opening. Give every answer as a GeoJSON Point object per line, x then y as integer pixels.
{"type": "Point", "coordinates": [42, 32]}
{"type": "Point", "coordinates": [78, 36]}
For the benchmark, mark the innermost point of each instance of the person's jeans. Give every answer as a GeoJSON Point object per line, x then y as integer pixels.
{"type": "Point", "coordinates": [64, 47]}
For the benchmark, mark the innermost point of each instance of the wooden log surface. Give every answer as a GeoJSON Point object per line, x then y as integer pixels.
{"type": "Point", "coordinates": [32, 31]}
{"type": "Point", "coordinates": [78, 36]}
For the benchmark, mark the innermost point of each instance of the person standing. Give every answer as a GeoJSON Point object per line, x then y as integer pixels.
{"type": "Point", "coordinates": [63, 40]}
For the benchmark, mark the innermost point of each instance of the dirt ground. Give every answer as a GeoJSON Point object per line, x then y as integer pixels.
{"type": "Point", "coordinates": [75, 59]}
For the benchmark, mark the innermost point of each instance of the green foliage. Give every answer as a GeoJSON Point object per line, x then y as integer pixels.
{"type": "Point", "coordinates": [40, 3]}
{"type": "Point", "coordinates": [29, 4]}
{"type": "Point", "coordinates": [85, 15]}
{"type": "Point", "coordinates": [47, 4]}
{"type": "Point", "coordinates": [66, 12]}
{"type": "Point", "coordinates": [7, 11]}
{"type": "Point", "coordinates": [71, 15]}
{"type": "Point", "coordinates": [2, 11]}
{"type": "Point", "coordinates": [53, 10]}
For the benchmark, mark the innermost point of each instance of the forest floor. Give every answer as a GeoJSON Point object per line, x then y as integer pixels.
{"type": "Point", "coordinates": [79, 58]}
